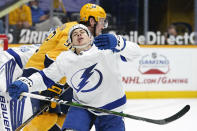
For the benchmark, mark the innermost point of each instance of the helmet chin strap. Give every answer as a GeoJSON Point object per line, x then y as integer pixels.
{"type": "Point", "coordinates": [81, 46]}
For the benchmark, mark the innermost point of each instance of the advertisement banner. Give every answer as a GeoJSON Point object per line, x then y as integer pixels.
{"type": "Point", "coordinates": [162, 69]}
{"type": "Point", "coordinates": [27, 36]}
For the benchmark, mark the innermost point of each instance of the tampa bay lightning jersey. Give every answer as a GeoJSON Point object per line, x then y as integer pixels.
{"type": "Point", "coordinates": [94, 76]}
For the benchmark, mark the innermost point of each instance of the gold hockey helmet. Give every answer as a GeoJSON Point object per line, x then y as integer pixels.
{"type": "Point", "coordinates": [92, 10]}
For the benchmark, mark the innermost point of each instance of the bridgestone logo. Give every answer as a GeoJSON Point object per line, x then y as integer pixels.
{"type": "Point", "coordinates": [30, 37]}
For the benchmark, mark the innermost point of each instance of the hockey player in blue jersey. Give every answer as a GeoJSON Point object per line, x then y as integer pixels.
{"type": "Point", "coordinates": [93, 73]}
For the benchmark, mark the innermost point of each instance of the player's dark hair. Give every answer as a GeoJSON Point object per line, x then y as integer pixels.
{"type": "Point", "coordinates": [87, 23]}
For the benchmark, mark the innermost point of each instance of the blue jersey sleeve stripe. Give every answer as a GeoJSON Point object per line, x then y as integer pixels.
{"type": "Point", "coordinates": [48, 82]}
{"type": "Point", "coordinates": [16, 56]}
{"type": "Point", "coordinates": [115, 104]}
{"type": "Point", "coordinates": [123, 58]}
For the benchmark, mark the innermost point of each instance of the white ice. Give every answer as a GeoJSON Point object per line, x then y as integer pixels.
{"type": "Point", "coordinates": [159, 109]}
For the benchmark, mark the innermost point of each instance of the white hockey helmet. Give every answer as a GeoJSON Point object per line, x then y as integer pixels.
{"type": "Point", "coordinates": [77, 26]}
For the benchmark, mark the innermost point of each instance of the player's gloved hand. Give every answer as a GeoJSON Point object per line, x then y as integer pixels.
{"type": "Point", "coordinates": [110, 41]}
{"type": "Point", "coordinates": [55, 91]}
{"type": "Point", "coordinates": [19, 86]}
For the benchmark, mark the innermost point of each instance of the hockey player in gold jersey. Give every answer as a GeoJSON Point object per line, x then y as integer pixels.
{"type": "Point", "coordinates": [91, 15]}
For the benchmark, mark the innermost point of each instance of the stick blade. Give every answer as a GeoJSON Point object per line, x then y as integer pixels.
{"type": "Point", "coordinates": [176, 116]}
{"type": "Point", "coordinates": [172, 118]}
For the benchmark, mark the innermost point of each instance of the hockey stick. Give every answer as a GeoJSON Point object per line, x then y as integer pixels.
{"type": "Point", "coordinates": [174, 117]}
{"type": "Point", "coordinates": [32, 117]}
{"type": "Point", "coordinates": [38, 113]}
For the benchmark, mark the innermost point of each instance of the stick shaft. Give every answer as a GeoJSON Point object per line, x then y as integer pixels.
{"type": "Point", "coordinates": [174, 117]}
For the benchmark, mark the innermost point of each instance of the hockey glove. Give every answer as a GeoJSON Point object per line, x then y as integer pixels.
{"type": "Point", "coordinates": [110, 41]}
{"type": "Point", "coordinates": [55, 91]}
{"type": "Point", "coordinates": [19, 86]}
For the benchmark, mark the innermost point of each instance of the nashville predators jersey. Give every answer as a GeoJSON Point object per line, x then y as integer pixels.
{"type": "Point", "coordinates": [53, 46]}
{"type": "Point", "coordinates": [52, 54]}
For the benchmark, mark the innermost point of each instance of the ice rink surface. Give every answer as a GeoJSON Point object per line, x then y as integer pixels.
{"type": "Point", "coordinates": [159, 109]}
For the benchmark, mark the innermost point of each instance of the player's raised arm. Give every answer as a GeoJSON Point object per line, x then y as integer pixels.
{"type": "Point", "coordinates": [117, 44]}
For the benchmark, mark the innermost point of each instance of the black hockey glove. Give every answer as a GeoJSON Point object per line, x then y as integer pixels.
{"type": "Point", "coordinates": [55, 91]}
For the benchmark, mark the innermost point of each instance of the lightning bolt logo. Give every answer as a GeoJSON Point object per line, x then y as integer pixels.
{"type": "Point", "coordinates": [85, 76]}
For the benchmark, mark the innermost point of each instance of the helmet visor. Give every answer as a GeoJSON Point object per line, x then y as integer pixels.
{"type": "Point", "coordinates": [103, 21]}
